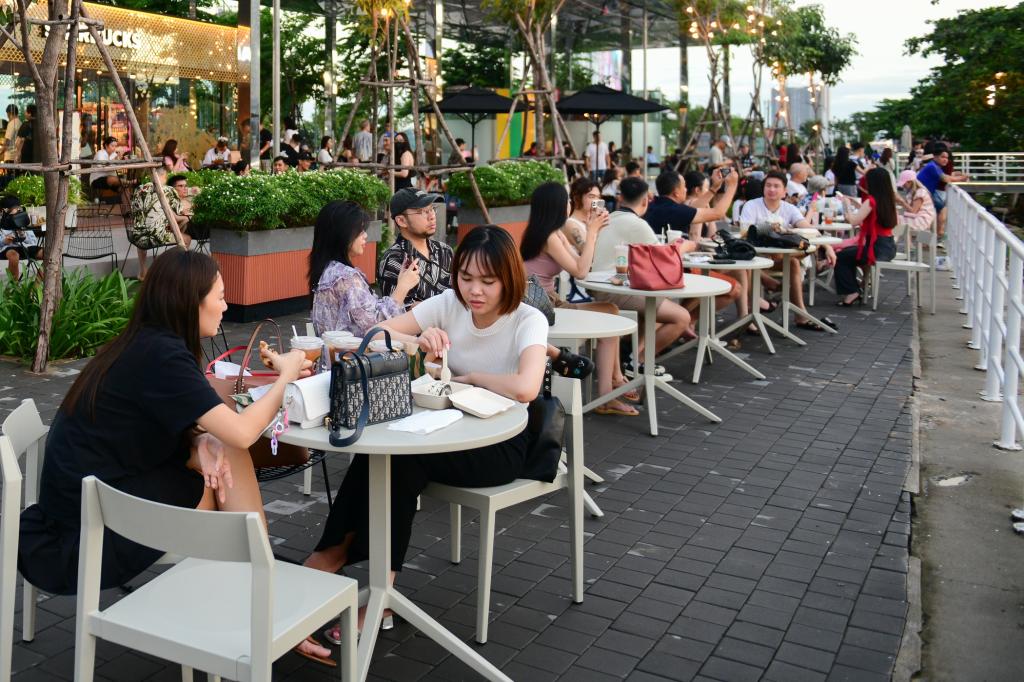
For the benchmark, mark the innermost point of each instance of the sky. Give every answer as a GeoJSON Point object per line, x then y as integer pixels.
{"type": "Point", "coordinates": [879, 71]}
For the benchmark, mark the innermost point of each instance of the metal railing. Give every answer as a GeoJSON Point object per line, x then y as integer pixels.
{"type": "Point", "coordinates": [984, 166]}
{"type": "Point", "coordinates": [988, 269]}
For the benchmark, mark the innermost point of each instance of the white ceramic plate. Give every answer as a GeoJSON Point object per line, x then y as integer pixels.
{"type": "Point", "coordinates": [480, 402]}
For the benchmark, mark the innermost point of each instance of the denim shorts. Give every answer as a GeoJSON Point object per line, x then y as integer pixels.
{"type": "Point", "coordinates": [939, 199]}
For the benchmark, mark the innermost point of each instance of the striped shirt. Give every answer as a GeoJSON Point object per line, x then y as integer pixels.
{"type": "Point", "coordinates": [435, 271]}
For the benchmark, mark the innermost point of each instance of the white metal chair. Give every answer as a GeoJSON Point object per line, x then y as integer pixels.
{"type": "Point", "coordinates": [917, 258]}
{"type": "Point", "coordinates": [230, 609]}
{"type": "Point", "coordinates": [489, 501]}
{"type": "Point", "coordinates": [22, 433]}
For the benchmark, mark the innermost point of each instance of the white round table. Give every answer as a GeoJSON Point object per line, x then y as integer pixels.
{"type": "Point", "coordinates": [756, 263]}
{"type": "Point", "coordinates": [575, 325]}
{"type": "Point", "coordinates": [788, 307]}
{"type": "Point", "coordinates": [380, 443]}
{"type": "Point", "coordinates": [835, 227]}
{"type": "Point", "coordinates": [695, 286]}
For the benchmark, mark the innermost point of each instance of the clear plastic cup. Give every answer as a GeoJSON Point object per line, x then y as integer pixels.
{"type": "Point", "coordinates": [312, 346]}
{"type": "Point", "coordinates": [338, 342]}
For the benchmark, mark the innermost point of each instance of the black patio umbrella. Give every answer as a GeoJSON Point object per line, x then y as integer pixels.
{"type": "Point", "coordinates": [473, 105]}
{"type": "Point", "coordinates": [598, 102]}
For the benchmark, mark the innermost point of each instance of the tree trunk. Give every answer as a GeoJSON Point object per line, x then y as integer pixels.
{"type": "Point", "coordinates": [684, 86]}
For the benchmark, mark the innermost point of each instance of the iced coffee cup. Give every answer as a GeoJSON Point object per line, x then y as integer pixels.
{"type": "Point", "coordinates": [312, 346]}
{"type": "Point", "coordinates": [338, 342]}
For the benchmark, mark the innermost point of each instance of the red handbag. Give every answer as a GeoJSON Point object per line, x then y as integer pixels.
{"type": "Point", "coordinates": [655, 267]}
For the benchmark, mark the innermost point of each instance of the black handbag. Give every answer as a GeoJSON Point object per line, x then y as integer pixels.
{"type": "Point", "coordinates": [732, 247]}
{"type": "Point", "coordinates": [767, 237]}
{"type": "Point", "coordinates": [368, 388]}
{"type": "Point", "coordinates": [545, 428]}
{"type": "Point", "coordinates": [536, 297]}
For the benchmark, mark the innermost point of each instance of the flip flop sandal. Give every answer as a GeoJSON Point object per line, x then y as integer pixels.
{"type": "Point", "coordinates": [328, 661]}
{"type": "Point", "coordinates": [809, 326]}
{"type": "Point", "coordinates": [604, 409]}
{"type": "Point", "coordinates": [629, 396]}
{"type": "Point", "coordinates": [571, 365]}
{"type": "Point", "coordinates": [386, 623]}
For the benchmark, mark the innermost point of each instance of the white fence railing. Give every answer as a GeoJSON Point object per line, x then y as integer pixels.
{"type": "Point", "coordinates": [985, 166]}
{"type": "Point", "coordinates": [988, 269]}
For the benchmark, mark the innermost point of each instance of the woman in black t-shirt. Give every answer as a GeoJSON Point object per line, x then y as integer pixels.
{"type": "Point", "coordinates": [845, 171]}
{"type": "Point", "coordinates": [130, 420]}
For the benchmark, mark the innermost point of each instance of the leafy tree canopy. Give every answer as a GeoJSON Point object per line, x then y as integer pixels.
{"type": "Point", "coordinates": [480, 65]}
{"type": "Point", "coordinates": [976, 97]}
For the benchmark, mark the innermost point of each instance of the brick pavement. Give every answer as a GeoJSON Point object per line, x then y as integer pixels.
{"type": "Point", "coordinates": [771, 546]}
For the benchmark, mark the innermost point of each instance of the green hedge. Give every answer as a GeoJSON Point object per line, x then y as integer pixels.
{"type": "Point", "coordinates": [31, 190]}
{"type": "Point", "coordinates": [509, 183]}
{"type": "Point", "coordinates": [268, 202]}
{"type": "Point", "coordinates": [91, 312]}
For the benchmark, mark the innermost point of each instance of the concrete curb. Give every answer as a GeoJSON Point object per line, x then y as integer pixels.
{"type": "Point", "coordinates": [908, 660]}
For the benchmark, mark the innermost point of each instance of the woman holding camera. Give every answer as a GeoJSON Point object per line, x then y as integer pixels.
{"type": "Point", "coordinates": [17, 241]}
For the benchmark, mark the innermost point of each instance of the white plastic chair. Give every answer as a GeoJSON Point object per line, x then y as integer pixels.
{"type": "Point", "coordinates": [917, 258]}
{"type": "Point", "coordinates": [22, 433]}
{"type": "Point", "coordinates": [230, 610]}
{"type": "Point", "coordinates": [489, 501]}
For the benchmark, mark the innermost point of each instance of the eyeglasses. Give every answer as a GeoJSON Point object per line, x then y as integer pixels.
{"type": "Point", "coordinates": [428, 211]}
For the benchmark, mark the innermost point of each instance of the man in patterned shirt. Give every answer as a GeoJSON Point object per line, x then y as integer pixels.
{"type": "Point", "coordinates": [415, 225]}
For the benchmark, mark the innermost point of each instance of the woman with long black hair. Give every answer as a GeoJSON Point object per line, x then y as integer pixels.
{"type": "Point", "coordinates": [143, 418]}
{"type": "Point", "coordinates": [547, 252]}
{"type": "Point", "coordinates": [876, 216]}
{"type": "Point", "coordinates": [404, 158]}
{"type": "Point", "coordinates": [342, 298]}
{"type": "Point", "coordinates": [845, 171]}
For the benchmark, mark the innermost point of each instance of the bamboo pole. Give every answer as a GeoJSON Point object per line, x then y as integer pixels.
{"type": "Point", "coordinates": [158, 185]}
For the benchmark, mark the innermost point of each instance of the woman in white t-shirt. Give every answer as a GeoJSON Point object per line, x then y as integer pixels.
{"type": "Point", "coordinates": [494, 341]}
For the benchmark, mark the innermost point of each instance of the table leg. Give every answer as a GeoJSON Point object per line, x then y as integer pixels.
{"type": "Point", "coordinates": [812, 278]}
{"type": "Point", "coordinates": [383, 596]}
{"type": "Point", "coordinates": [763, 323]}
{"type": "Point", "coordinates": [703, 338]}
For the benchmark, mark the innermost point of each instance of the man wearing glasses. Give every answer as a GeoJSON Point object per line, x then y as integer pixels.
{"type": "Point", "coordinates": [415, 224]}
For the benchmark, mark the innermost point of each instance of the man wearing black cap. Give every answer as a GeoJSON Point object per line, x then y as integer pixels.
{"type": "Point", "coordinates": [305, 162]}
{"type": "Point", "coordinates": [16, 241]}
{"type": "Point", "coordinates": [415, 223]}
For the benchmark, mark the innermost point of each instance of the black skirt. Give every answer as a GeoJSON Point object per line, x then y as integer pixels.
{"type": "Point", "coordinates": [48, 548]}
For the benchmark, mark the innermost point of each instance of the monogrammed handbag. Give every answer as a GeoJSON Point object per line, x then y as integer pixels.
{"type": "Point", "coordinates": [368, 388]}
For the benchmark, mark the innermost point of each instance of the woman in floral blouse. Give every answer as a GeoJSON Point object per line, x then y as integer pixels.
{"type": "Point", "coordinates": [150, 229]}
{"type": "Point", "coordinates": [342, 298]}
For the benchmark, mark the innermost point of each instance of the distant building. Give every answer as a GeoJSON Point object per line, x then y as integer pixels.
{"type": "Point", "coordinates": [800, 108]}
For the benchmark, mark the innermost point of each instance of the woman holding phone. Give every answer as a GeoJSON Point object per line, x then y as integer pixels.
{"type": "Point", "coordinates": [342, 298]}
{"type": "Point", "coordinates": [547, 252]}
{"type": "Point", "coordinates": [876, 216]}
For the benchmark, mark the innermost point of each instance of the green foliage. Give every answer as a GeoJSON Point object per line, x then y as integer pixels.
{"type": "Point", "coordinates": [202, 177]}
{"type": "Point", "coordinates": [302, 60]}
{"type": "Point", "coordinates": [267, 202]}
{"type": "Point", "coordinates": [804, 43]}
{"type": "Point", "coordinates": [480, 65]}
{"type": "Point", "coordinates": [91, 312]}
{"type": "Point", "coordinates": [951, 103]}
{"type": "Point", "coordinates": [31, 190]}
{"type": "Point", "coordinates": [505, 184]}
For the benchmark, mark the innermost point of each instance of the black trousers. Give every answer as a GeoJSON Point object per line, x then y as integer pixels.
{"type": "Point", "coordinates": [846, 264]}
{"type": "Point", "coordinates": [496, 464]}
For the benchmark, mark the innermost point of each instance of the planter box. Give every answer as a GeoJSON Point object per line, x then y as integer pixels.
{"type": "Point", "coordinates": [512, 218]}
{"type": "Point", "coordinates": [265, 272]}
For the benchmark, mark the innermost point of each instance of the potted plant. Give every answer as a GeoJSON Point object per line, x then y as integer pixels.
{"type": "Point", "coordinates": [261, 231]}
{"type": "Point", "coordinates": [506, 188]}
{"type": "Point", "coordinates": [31, 192]}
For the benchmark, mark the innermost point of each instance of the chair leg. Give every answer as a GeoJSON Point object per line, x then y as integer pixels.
{"type": "Point", "coordinates": [307, 481]}
{"type": "Point", "coordinates": [483, 574]}
{"type": "Point", "coordinates": [455, 515]}
{"type": "Point", "coordinates": [349, 635]}
{"type": "Point", "coordinates": [874, 288]}
{"type": "Point", "coordinates": [85, 652]}
{"type": "Point", "coordinates": [931, 283]}
{"type": "Point", "coordinates": [28, 611]}
{"type": "Point", "coordinates": [186, 673]}
{"type": "Point", "coordinates": [327, 483]}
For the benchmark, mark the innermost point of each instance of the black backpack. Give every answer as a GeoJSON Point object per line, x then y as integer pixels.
{"type": "Point", "coordinates": [769, 238]}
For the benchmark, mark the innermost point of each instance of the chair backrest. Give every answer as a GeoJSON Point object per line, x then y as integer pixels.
{"type": "Point", "coordinates": [10, 508]}
{"type": "Point", "coordinates": [218, 536]}
{"type": "Point", "coordinates": [570, 393]}
{"type": "Point", "coordinates": [23, 427]}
